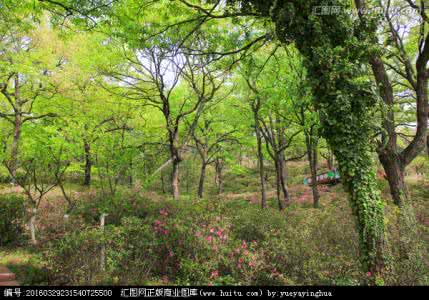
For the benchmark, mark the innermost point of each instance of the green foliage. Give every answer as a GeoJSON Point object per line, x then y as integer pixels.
{"type": "Point", "coordinates": [101, 97]}
{"type": "Point", "coordinates": [12, 217]}
{"type": "Point", "coordinates": [76, 258]}
{"type": "Point", "coordinates": [118, 206]}
{"type": "Point", "coordinates": [185, 243]}
{"type": "Point", "coordinates": [256, 225]}
{"type": "Point", "coordinates": [27, 264]}
{"type": "Point", "coordinates": [213, 242]}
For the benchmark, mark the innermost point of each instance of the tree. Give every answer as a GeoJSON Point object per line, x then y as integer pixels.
{"type": "Point", "coordinates": [255, 103]}
{"type": "Point", "coordinates": [43, 163]}
{"type": "Point", "coordinates": [304, 113]}
{"type": "Point", "coordinates": [268, 102]}
{"type": "Point", "coordinates": [153, 75]}
{"type": "Point", "coordinates": [335, 50]}
{"type": "Point", "coordinates": [26, 78]}
{"type": "Point", "coordinates": [210, 136]}
{"type": "Point", "coordinates": [395, 67]}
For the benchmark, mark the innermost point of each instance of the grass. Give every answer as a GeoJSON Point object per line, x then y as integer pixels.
{"type": "Point", "coordinates": [27, 263]}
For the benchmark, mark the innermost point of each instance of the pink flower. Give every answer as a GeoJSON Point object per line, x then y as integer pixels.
{"type": "Point", "coordinates": [215, 274]}
{"type": "Point", "coordinates": [212, 230]}
{"type": "Point", "coordinates": [240, 260]}
{"type": "Point", "coordinates": [209, 238]}
{"type": "Point", "coordinates": [157, 222]}
{"type": "Point", "coordinates": [198, 234]}
{"type": "Point", "coordinates": [251, 264]}
{"type": "Point", "coordinates": [219, 233]}
{"type": "Point", "coordinates": [244, 244]}
{"type": "Point", "coordinates": [368, 274]}
{"type": "Point", "coordinates": [170, 253]}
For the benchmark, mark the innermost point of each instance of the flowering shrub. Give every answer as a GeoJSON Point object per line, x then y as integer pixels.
{"type": "Point", "coordinates": [211, 243]}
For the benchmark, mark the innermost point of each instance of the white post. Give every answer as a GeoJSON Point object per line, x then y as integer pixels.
{"type": "Point", "coordinates": [66, 220]}
{"type": "Point", "coordinates": [103, 246]}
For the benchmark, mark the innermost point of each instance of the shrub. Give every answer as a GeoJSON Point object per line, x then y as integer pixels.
{"type": "Point", "coordinates": [407, 262]}
{"type": "Point", "coordinates": [75, 259]}
{"type": "Point", "coordinates": [123, 204]}
{"type": "Point", "coordinates": [12, 214]}
{"type": "Point", "coordinates": [225, 243]}
{"type": "Point", "coordinates": [318, 246]}
{"type": "Point", "coordinates": [254, 224]}
{"type": "Point", "coordinates": [186, 243]}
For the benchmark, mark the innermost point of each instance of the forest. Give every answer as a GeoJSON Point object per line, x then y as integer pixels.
{"type": "Point", "coordinates": [214, 143]}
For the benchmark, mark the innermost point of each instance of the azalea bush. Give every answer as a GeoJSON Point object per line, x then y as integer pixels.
{"type": "Point", "coordinates": [187, 244]}
{"type": "Point", "coordinates": [202, 242]}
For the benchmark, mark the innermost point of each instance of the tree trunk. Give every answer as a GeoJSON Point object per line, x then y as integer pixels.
{"type": "Point", "coordinates": [202, 179]}
{"type": "Point", "coordinates": [280, 185]}
{"type": "Point", "coordinates": [32, 226]}
{"type": "Point", "coordinates": [88, 164]}
{"type": "Point", "coordinates": [162, 182]}
{"type": "Point", "coordinates": [218, 176]}
{"type": "Point", "coordinates": [175, 159]}
{"type": "Point", "coordinates": [175, 180]}
{"type": "Point", "coordinates": [260, 162]}
{"type": "Point", "coordinates": [367, 208]}
{"type": "Point", "coordinates": [314, 188]}
{"type": "Point", "coordinates": [15, 146]}
{"type": "Point", "coordinates": [395, 176]}
{"type": "Point", "coordinates": [312, 160]}
{"type": "Point", "coordinates": [283, 185]}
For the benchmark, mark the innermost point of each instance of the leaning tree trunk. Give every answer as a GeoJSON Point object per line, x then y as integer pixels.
{"type": "Point", "coordinates": [283, 183]}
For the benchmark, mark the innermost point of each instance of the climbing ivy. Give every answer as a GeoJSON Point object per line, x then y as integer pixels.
{"type": "Point", "coordinates": [336, 48]}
